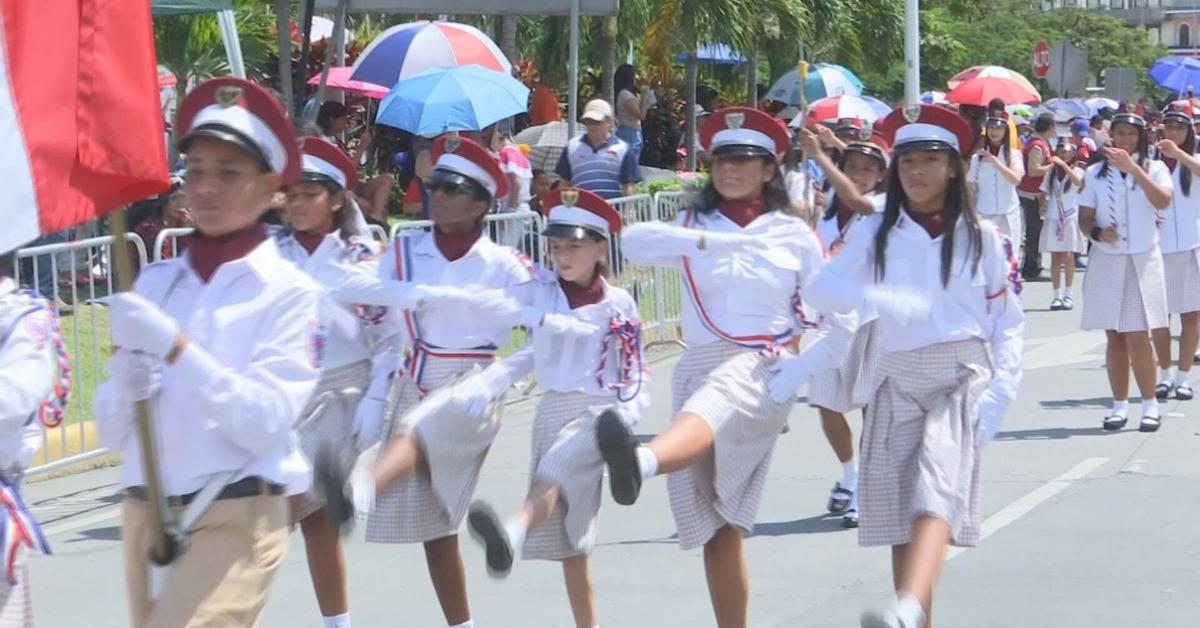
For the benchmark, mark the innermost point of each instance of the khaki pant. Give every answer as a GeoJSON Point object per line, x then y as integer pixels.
{"type": "Point", "coordinates": [222, 579]}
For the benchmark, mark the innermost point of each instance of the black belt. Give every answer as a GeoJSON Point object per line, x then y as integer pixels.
{"type": "Point", "coordinates": [252, 486]}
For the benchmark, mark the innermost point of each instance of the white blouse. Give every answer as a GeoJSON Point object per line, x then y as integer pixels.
{"type": "Point", "coordinates": [995, 194]}
{"type": "Point", "coordinates": [1180, 230]}
{"type": "Point", "coordinates": [1120, 202]}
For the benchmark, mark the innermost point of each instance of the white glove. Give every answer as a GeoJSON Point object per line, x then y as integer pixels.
{"type": "Point", "coordinates": [791, 373]}
{"type": "Point", "coordinates": [494, 303]}
{"type": "Point", "coordinates": [904, 304]}
{"type": "Point", "coordinates": [137, 375]}
{"type": "Point", "coordinates": [988, 419]}
{"type": "Point", "coordinates": [564, 325]}
{"type": "Point", "coordinates": [368, 422]}
{"type": "Point", "coordinates": [718, 242]}
{"type": "Point", "coordinates": [476, 393]}
{"type": "Point", "coordinates": [362, 482]}
{"type": "Point", "coordinates": [139, 325]}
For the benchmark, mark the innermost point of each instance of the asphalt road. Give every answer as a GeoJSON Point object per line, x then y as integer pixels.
{"type": "Point", "coordinates": [1083, 529]}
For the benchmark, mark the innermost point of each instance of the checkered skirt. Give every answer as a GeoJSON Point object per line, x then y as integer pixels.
{"type": "Point", "coordinates": [16, 603]}
{"type": "Point", "coordinates": [918, 445]}
{"type": "Point", "coordinates": [427, 506]}
{"type": "Point", "coordinates": [845, 388]}
{"type": "Point", "coordinates": [329, 418]}
{"type": "Point", "coordinates": [1182, 272]}
{"type": "Point", "coordinates": [727, 386]}
{"type": "Point", "coordinates": [565, 453]}
{"type": "Point", "coordinates": [1124, 292]}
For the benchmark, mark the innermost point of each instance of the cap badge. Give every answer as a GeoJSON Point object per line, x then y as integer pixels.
{"type": "Point", "coordinates": [570, 197]}
{"type": "Point", "coordinates": [735, 120]}
{"type": "Point", "coordinates": [912, 113]}
{"type": "Point", "coordinates": [228, 95]}
{"type": "Point", "coordinates": [864, 134]}
{"type": "Point", "coordinates": [452, 143]}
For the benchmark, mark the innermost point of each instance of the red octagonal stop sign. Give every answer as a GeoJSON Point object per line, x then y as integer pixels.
{"type": "Point", "coordinates": [1041, 59]}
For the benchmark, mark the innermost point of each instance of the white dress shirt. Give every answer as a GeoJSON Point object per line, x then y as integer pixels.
{"type": "Point", "coordinates": [27, 371]}
{"type": "Point", "coordinates": [1052, 187]}
{"type": "Point", "coordinates": [350, 338]}
{"type": "Point", "coordinates": [747, 294]}
{"type": "Point", "coordinates": [995, 195]}
{"type": "Point", "coordinates": [1180, 230]}
{"type": "Point", "coordinates": [1120, 202]}
{"type": "Point", "coordinates": [977, 303]}
{"type": "Point", "coordinates": [258, 317]}
{"type": "Point", "coordinates": [827, 228]}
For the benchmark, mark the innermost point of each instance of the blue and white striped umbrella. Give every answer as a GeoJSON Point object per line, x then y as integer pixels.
{"type": "Point", "coordinates": [824, 79]}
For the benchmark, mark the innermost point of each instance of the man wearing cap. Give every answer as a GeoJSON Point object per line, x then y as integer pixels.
{"type": "Point", "coordinates": [223, 344]}
{"type": "Point", "coordinates": [34, 386]}
{"type": "Point", "coordinates": [433, 281]}
{"type": "Point", "coordinates": [599, 161]}
{"type": "Point", "coordinates": [1036, 155]}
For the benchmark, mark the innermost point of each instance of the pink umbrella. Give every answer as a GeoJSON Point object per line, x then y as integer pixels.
{"type": "Point", "coordinates": [339, 78]}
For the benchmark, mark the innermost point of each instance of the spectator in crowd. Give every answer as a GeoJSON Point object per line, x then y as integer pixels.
{"type": "Point", "coordinates": [1099, 133]}
{"type": "Point", "coordinates": [377, 150]}
{"type": "Point", "coordinates": [599, 161]}
{"type": "Point", "coordinates": [166, 211]}
{"type": "Point", "coordinates": [539, 187]}
{"type": "Point", "coordinates": [333, 119]}
{"type": "Point", "coordinates": [631, 108]}
{"type": "Point", "coordinates": [1037, 156]}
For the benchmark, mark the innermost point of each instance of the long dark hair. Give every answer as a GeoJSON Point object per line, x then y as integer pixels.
{"type": "Point", "coordinates": [623, 79]}
{"type": "Point", "coordinates": [774, 193]}
{"type": "Point", "coordinates": [1189, 147]}
{"type": "Point", "coordinates": [958, 203]}
{"type": "Point", "coordinates": [983, 141]}
{"type": "Point", "coordinates": [1143, 149]}
{"type": "Point", "coordinates": [836, 205]}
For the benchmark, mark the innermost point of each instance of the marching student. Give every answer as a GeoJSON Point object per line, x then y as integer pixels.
{"type": "Point", "coordinates": [1061, 237]}
{"type": "Point", "coordinates": [587, 354]}
{"type": "Point", "coordinates": [857, 193]}
{"type": "Point", "coordinates": [224, 345]}
{"type": "Point", "coordinates": [744, 262]}
{"type": "Point", "coordinates": [995, 172]}
{"type": "Point", "coordinates": [1179, 240]}
{"type": "Point", "coordinates": [327, 238]}
{"type": "Point", "coordinates": [35, 378]}
{"type": "Point", "coordinates": [431, 454]}
{"type": "Point", "coordinates": [945, 377]}
{"type": "Point", "coordinates": [1124, 290]}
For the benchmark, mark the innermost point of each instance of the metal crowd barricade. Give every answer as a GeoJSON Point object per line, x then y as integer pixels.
{"type": "Point", "coordinates": [379, 234]}
{"type": "Point", "coordinates": [521, 230]}
{"type": "Point", "coordinates": [85, 331]}
{"type": "Point", "coordinates": [173, 235]}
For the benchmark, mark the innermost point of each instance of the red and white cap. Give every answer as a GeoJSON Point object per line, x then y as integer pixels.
{"type": "Point", "coordinates": [324, 162]}
{"type": "Point", "coordinates": [460, 160]}
{"type": "Point", "coordinates": [574, 213]}
{"type": "Point", "coordinates": [744, 130]}
{"type": "Point", "coordinates": [240, 112]}
{"type": "Point", "coordinates": [1179, 110]}
{"type": "Point", "coordinates": [871, 143]}
{"type": "Point", "coordinates": [925, 127]}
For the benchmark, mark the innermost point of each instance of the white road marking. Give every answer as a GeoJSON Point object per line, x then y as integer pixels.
{"type": "Point", "coordinates": [1135, 467]}
{"type": "Point", "coordinates": [1071, 348]}
{"type": "Point", "coordinates": [107, 514]}
{"type": "Point", "coordinates": [1025, 504]}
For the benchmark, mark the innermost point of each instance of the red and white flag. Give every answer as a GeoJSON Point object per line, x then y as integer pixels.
{"type": "Point", "coordinates": [81, 131]}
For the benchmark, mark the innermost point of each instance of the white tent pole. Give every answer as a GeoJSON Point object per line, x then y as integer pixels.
{"type": "Point", "coordinates": [573, 72]}
{"type": "Point", "coordinates": [233, 45]}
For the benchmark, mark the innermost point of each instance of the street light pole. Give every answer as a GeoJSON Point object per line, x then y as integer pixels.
{"type": "Point", "coordinates": [573, 79]}
{"type": "Point", "coordinates": [912, 52]}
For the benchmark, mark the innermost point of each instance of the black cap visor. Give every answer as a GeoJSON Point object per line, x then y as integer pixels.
{"type": "Point", "coordinates": [571, 231]}
{"type": "Point", "coordinates": [225, 134]}
{"type": "Point", "coordinates": [868, 150]}
{"type": "Point", "coordinates": [741, 150]}
{"type": "Point", "coordinates": [310, 176]}
{"type": "Point", "coordinates": [922, 145]}
{"type": "Point", "coordinates": [451, 178]}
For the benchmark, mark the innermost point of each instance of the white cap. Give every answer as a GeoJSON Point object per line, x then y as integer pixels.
{"type": "Point", "coordinates": [598, 110]}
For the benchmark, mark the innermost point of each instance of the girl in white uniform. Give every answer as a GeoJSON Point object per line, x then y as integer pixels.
{"type": "Point", "coordinates": [857, 193]}
{"type": "Point", "coordinates": [587, 354]}
{"type": "Point", "coordinates": [429, 463]}
{"type": "Point", "coordinates": [327, 239]}
{"type": "Point", "coordinates": [224, 345]}
{"type": "Point", "coordinates": [946, 374]}
{"type": "Point", "coordinates": [996, 170]}
{"type": "Point", "coordinates": [1061, 237]}
{"type": "Point", "coordinates": [1124, 290]}
{"type": "Point", "coordinates": [744, 263]}
{"type": "Point", "coordinates": [1179, 239]}
{"type": "Point", "coordinates": [34, 387]}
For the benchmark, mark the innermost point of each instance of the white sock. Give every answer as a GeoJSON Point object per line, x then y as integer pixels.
{"type": "Point", "coordinates": [337, 621]}
{"type": "Point", "coordinates": [1067, 291]}
{"type": "Point", "coordinates": [470, 623]}
{"type": "Point", "coordinates": [1165, 375]}
{"type": "Point", "coordinates": [908, 608]}
{"type": "Point", "coordinates": [1181, 378]}
{"type": "Point", "coordinates": [1150, 407]}
{"type": "Point", "coordinates": [1120, 408]}
{"type": "Point", "coordinates": [850, 475]}
{"type": "Point", "coordinates": [1058, 293]}
{"type": "Point", "coordinates": [647, 462]}
{"type": "Point", "coordinates": [516, 534]}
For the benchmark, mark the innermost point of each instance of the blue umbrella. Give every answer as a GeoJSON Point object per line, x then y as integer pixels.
{"type": "Point", "coordinates": [1176, 74]}
{"type": "Point", "coordinates": [718, 54]}
{"type": "Point", "coordinates": [461, 98]}
{"type": "Point", "coordinates": [1068, 107]}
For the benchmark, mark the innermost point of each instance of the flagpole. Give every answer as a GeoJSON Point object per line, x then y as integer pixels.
{"type": "Point", "coordinates": [168, 544]}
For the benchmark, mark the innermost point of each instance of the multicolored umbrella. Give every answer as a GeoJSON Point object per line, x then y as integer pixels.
{"type": "Point", "coordinates": [837, 108]}
{"type": "Point", "coordinates": [981, 90]}
{"type": "Point", "coordinates": [407, 50]}
{"type": "Point", "coordinates": [824, 79]}
{"type": "Point", "coordinates": [339, 78]}
{"type": "Point", "coordinates": [989, 71]}
{"type": "Point", "coordinates": [881, 108]}
{"type": "Point", "coordinates": [463, 98]}
{"type": "Point", "coordinates": [934, 98]}
{"type": "Point", "coordinates": [547, 143]}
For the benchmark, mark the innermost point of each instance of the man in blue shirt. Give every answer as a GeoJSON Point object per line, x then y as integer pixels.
{"type": "Point", "coordinates": [599, 161]}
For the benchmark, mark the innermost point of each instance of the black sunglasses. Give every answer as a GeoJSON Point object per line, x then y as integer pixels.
{"type": "Point", "coordinates": [447, 187]}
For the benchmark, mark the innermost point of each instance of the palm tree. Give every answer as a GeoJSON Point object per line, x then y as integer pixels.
{"type": "Point", "coordinates": [190, 46]}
